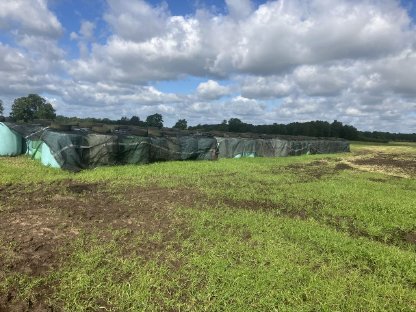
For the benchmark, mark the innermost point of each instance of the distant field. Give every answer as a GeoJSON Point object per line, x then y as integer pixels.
{"type": "Point", "coordinates": [310, 233]}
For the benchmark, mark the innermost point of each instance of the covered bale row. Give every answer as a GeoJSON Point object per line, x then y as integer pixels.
{"type": "Point", "coordinates": [82, 149]}
{"type": "Point", "coordinates": [245, 147]}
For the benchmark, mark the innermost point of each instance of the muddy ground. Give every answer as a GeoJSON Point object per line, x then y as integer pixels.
{"type": "Point", "coordinates": [389, 163]}
{"type": "Point", "coordinates": [39, 222]}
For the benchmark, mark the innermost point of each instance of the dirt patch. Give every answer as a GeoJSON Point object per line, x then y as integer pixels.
{"type": "Point", "coordinates": [282, 208]}
{"type": "Point", "coordinates": [390, 162]}
{"type": "Point", "coordinates": [79, 188]}
{"type": "Point", "coordinates": [315, 170]}
{"type": "Point", "coordinates": [343, 166]}
{"type": "Point", "coordinates": [40, 221]}
{"type": "Point", "coordinates": [410, 237]}
{"type": "Point", "coordinates": [313, 210]}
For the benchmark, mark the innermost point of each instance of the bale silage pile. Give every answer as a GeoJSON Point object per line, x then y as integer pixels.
{"type": "Point", "coordinates": [80, 147]}
{"type": "Point", "coordinates": [251, 145]}
{"type": "Point", "coordinates": [74, 148]}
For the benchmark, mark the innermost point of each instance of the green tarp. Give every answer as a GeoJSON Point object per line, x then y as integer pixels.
{"type": "Point", "coordinates": [82, 148]}
{"type": "Point", "coordinates": [247, 147]}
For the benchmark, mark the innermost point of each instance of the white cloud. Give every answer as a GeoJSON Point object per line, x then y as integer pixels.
{"type": "Point", "coordinates": [323, 80]}
{"type": "Point", "coordinates": [31, 16]}
{"type": "Point", "coordinates": [211, 90]}
{"type": "Point", "coordinates": [166, 57]}
{"type": "Point", "coordinates": [239, 8]}
{"type": "Point", "coordinates": [242, 106]}
{"type": "Point", "coordinates": [84, 37]}
{"type": "Point", "coordinates": [136, 20]}
{"type": "Point", "coordinates": [266, 87]}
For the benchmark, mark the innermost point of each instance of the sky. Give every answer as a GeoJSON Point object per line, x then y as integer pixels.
{"type": "Point", "coordinates": [260, 61]}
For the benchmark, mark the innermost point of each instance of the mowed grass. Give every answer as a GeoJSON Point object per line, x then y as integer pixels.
{"type": "Point", "coordinates": [308, 233]}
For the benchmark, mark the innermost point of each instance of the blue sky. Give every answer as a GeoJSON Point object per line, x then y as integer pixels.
{"type": "Point", "coordinates": [209, 60]}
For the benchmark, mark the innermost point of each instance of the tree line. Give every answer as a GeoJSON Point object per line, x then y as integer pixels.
{"type": "Point", "coordinates": [34, 107]}
{"type": "Point", "coordinates": [315, 128]}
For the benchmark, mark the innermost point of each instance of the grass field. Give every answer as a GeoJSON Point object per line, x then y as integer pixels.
{"type": "Point", "coordinates": [309, 233]}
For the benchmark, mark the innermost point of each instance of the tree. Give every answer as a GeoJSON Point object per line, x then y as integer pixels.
{"type": "Point", "coordinates": [336, 129]}
{"type": "Point", "coordinates": [45, 111]}
{"type": "Point", "coordinates": [32, 107]}
{"type": "Point", "coordinates": [1, 108]}
{"type": "Point", "coordinates": [235, 125]}
{"type": "Point", "coordinates": [181, 124]}
{"type": "Point", "coordinates": [123, 121]}
{"type": "Point", "coordinates": [155, 120]}
{"type": "Point", "coordinates": [135, 121]}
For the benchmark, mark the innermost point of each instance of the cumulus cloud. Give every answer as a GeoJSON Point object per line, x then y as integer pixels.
{"type": "Point", "coordinates": [31, 17]}
{"type": "Point", "coordinates": [136, 20]}
{"type": "Point", "coordinates": [84, 37]}
{"type": "Point", "coordinates": [211, 90]}
{"type": "Point", "coordinates": [266, 87]}
{"type": "Point", "coordinates": [239, 8]}
{"type": "Point", "coordinates": [101, 94]}
{"type": "Point", "coordinates": [242, 106]}
{"type": "Point", "coordinates": [275, 38]}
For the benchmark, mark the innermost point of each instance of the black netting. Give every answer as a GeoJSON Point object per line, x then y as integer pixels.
{"type": "Point", "coordinates": [245, 147]}
{"type": "Point", "coordinates": [81, 148]}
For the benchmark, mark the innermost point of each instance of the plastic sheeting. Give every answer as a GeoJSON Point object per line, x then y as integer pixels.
{"type": "Point", "coordinates": [82, 149]}
{"type": "Point", "coordinates": [133, 150]}
{"type": "Point", "coordinates": [47, 157]}
{"type": "Point", "coordinates": [245, 147]}
{"type": "Point", "coordinates": [183, 148]}
{"type": "Point", "coordinates": [34, 148]}
{"type": "Point", "coordinates": [11, 142]}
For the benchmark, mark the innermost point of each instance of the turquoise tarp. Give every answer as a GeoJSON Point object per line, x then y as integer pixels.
{"type": "Point", "coordinates": [11, 142]}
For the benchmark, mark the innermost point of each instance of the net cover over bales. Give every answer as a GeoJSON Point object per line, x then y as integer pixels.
{"type": "Point", "coordinates": [75, 147]}
{"type": "Point", "coordinates": [255, 145]}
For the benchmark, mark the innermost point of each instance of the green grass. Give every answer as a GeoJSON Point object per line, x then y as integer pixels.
{"type": "Point", "coordinates": [331, 242]}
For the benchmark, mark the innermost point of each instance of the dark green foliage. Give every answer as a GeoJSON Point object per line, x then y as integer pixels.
{"type": "Point", "coordinates": [316, 128]}
{"type": "Point", "coordinates": [1, 108]}
{"type": "Point", "coordinates": [32, 107]}
{"type": "Point", "coordinates": [135, 121]}
{"type": "Point", "coordinates": [312, 128]}
{"type": "Point", "coordinates": [155, 120]}
{"type": "Point", "coordinates": [181, 124]}
{"type": "Point", "coordinates": [235, 125]}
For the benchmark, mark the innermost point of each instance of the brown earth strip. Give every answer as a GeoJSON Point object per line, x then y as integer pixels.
{"type": "Point", "coordinates": [400, 163]}
{"type": "Point", "coordinates": [314, 170]}
{"type": "Point", "coordinates": [341, 223]}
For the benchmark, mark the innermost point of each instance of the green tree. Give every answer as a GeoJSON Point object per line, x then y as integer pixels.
{"type": "Point", "coordinates": [181, 124]}
{"type": "Point", "coordinates": [235, 125]}
{"type": "Point", "coordinates": [45, 111]}
{"type": "Point", "coordinates": [155, 120]}
{"type": "Point", "coordinates": [135, 121]}
{"type": "Point", "coordinates": [336, 129]}
{"type": "Point", "coordinates": [32, 107]}
{"type": "Point", "coordinates": [1, 108]}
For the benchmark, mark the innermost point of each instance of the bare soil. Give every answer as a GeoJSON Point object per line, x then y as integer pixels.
{"type": "Point", "coordinates": [39, 223]}
{"type": "Point", "coordinates": [316, 170]}
{"type": "Point", "coordinates": [396, 162]}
